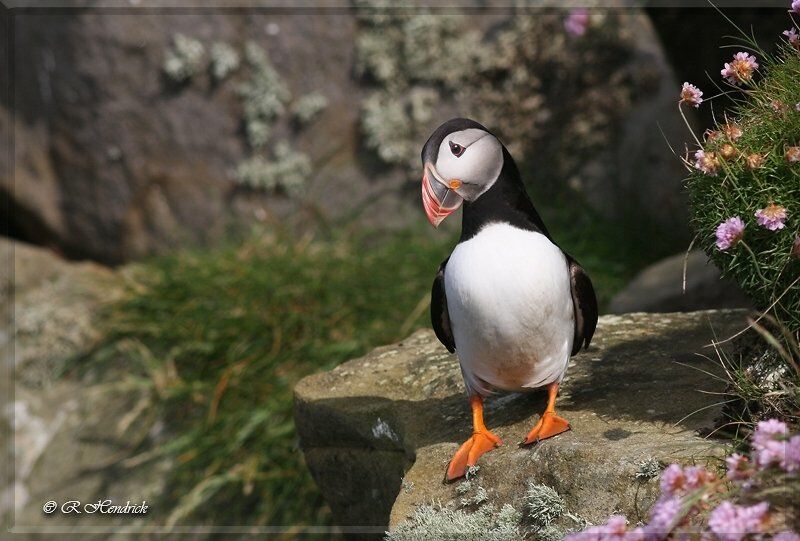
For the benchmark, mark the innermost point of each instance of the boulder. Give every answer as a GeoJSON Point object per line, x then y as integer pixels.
{"type": "Point", "coordinates": [659, 287]}
{"type": "Point", "coordinates": [72, 438]}
{"type": "Point", "coordinates": [377, 432]}
{"type": "Point", "coordinates": [114, 159]}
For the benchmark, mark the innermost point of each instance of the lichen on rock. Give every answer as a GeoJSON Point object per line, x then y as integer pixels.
{"type": "Point", "coordinates": [436, 522]}
{"type": "Point", "coordinates": [224, 60]}
{"type": "Point", "coordinates": [264, 95]}
{"type": "Point", "coordinates": [184, 59]}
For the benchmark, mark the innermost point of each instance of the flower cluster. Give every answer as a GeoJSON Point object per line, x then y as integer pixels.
{"type": "Point", "coordinates": [740, 69]}
{"type": "Point", "coordinates": [772, 445]}
{"type": "Point", "coordinates": [694, 492]}
{"type": "Point", "coordinates": [707, 162]}
{"type": "Point", "coordinates": [729, 233]}
{"type": "Point", "coordinates": [691, 94]}
{"type": "Point", "coordinates": [772, 217]}
{"type": "Point", "coordinates": [792, 37]}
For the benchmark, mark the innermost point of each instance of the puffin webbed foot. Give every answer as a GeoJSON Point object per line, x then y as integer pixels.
{"type": "Point", "coordinates": [549, 425]}
{"type": "Point", "coordinates": [470, 451]}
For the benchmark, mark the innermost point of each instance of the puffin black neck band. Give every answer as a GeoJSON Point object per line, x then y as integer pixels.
{"type": "Point", "coordinates": [506, 201]}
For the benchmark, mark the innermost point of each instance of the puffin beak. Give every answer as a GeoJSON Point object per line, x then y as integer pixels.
{"type": "Point", "coordinates": [439, 196]}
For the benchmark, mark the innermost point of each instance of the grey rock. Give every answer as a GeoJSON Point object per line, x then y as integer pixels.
{"type": "Point", "coordinates": [394, 418]}
{"type": "Point", "coordinates": [54, 309]}
{"type": "Point", "coordinates": [659, 287]}
{"type": "Point", "coordinates": [113, 160]}
{"type": "Point", "coordinates": [71, 438]}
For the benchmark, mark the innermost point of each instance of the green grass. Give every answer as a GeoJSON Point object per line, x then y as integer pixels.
{"type": "Point", "coordinates": [221, 335]}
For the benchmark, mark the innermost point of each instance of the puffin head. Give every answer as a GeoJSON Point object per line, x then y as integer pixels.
{"type": "Point", "coordinates": [460, 160]}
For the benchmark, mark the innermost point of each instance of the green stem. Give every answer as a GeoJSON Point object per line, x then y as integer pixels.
{"type": "Point", "coordinates": [755, 261]}
{"type": "Point", "coordinates": [685, 121]}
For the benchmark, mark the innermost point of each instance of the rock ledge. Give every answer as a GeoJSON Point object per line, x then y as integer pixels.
{"type": "Point", "coordinates": [377, 432]}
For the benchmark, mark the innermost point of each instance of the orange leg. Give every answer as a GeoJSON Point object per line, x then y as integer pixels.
{"type": "Point", "coordinates": [549, 423]}
{"type": "Point", "coordinates": [482, 440]}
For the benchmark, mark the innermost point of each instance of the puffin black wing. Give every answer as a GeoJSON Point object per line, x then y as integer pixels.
{"type": "Point", "coordinates": [585, 304]}
{"type": "Point", "coordinates": [440, 317]}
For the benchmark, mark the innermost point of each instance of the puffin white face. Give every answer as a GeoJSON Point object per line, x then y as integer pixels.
{"type": "Point", "coordinates": [467, 164]}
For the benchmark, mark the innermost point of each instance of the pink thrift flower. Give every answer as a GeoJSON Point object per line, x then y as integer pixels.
{"type": "Point", "coordinates": [729, 232]}
{"type": "Point", "coordinates": [691, 94]}
{"type": "Point", "coordinates": [733, 522]}
{"type": "Point", "coordinates": [707, 162]}
{"type": "Point", "coordinates": [786, 536]}
{"type": "Point", "coordinates": [664, 516]}
{"type": "Point", "coordinates": [767, 430]}
{"type": "Point", "coordinates": [577, 22]}
{"type": "Point", "coordinates": [792, 37]}
{"type": "Point", "coordinates": [769, 442]}
{"type": "Point", "coordinates": [697, 477]}
{"type": "Point", "coordinates": [796, 6]}
{"type": "Point", "coordinates": [737, 467]}
{"type": "Point", "coordinates": [673, 480]}
{"type": "Point", "coordinates": [740, 69]}
{"type": "Point", "coordinates": [793, 154]}
{"type": "Point", "coordinates": [772, 217]}
{"type": "Point", "coordinates": [791, 459]}
{"type": "Point", "coordinates": [615, 529]}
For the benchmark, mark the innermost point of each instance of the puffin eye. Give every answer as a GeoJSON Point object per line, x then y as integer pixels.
{"type": "Point", "coordinates": [456, 149]}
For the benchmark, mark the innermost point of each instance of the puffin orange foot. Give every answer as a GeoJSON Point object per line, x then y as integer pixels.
{"type": "Point", "coordinates": [549, 425]}
{"type": "Point", "coordinates": [469, 452]}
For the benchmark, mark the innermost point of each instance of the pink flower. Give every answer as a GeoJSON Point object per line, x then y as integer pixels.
{"type": "Point", "coordinates": [772, 217]}
{"type": "Point", "coordinates": [664, 516]}
{"type": "Point", "coordinates": [786, 536]}
{"type": "Point", "coordinates": [697, 477]}
{"type": "Point", "coordinates": [729, 232]}
{"type": "Point", "coordinates": [737, 466]}
{"type": "Point", "coordinates": [733, 522]}
{"type": "Point", "coordinates": [577, 22]}
{"type": "Point", "coordinates": [793, 37]}
{"type": "Point", "coordinates": [797, 106]}
{"type": "Point", "coordinates": [796, 6]}
{"type": "Point", "coordinates": [767, 430]}
{"type": "Point", "coordinates": [673, 480]}
{"type": "Point", "coordinates": [769, 442]}
{"type": "Point", "coordinates": [614, 529]}
{"type": "Point", "coordinates": [791, 459]}
{"type": "Point", "coordinates": [707, 162]}
{"type": "Point", "coordinates": [740, 69]}
{"type": "Point", "coordinates": [691, 94]}
{"type": "Point", "coordinates": [793, 154]}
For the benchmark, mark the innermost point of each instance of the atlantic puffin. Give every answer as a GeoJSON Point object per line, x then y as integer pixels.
{"type": "Point", "coordinates": [508, 301]}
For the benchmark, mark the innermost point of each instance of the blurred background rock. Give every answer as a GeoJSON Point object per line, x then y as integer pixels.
{"type": "Point", "coordinates": [218, 147]}
{"type": "Point", "coordinates": [133, 137]}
